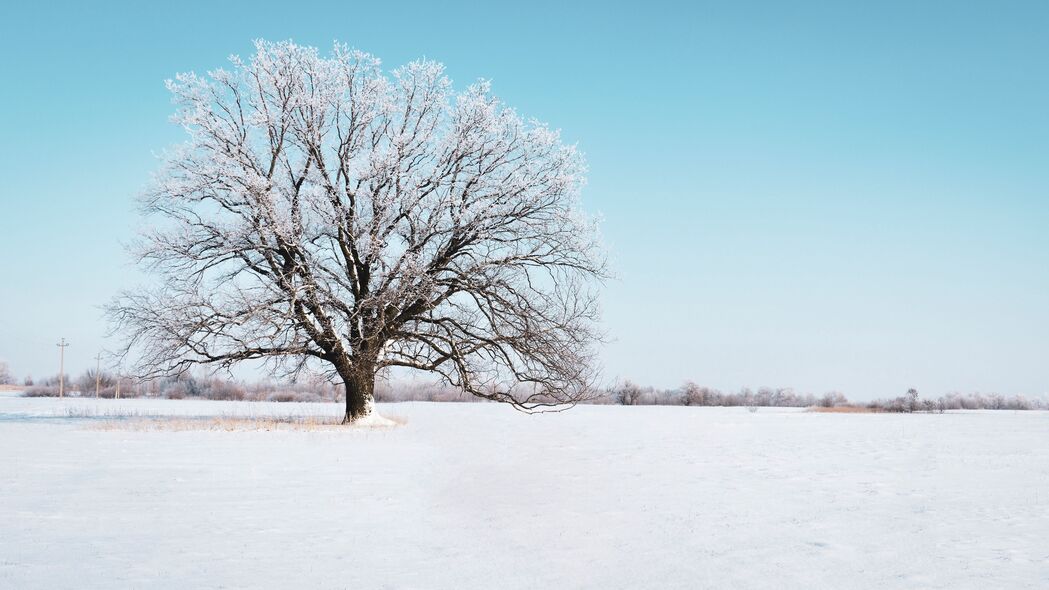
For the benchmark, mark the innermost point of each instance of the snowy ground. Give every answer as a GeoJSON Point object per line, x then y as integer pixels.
{"type": "Point", "coordinates": [479, 496]}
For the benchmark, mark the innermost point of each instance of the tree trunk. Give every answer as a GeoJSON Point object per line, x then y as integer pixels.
{"type": "Point", "coordinates": [360, 387]}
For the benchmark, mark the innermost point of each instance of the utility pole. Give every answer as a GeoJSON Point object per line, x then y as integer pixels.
{"type": "Point", "coordinates": [98, 372]}
{"type": "Point", "coordinates": [62, 367]}
{"type": "Point", "coordinates": [117, 394]}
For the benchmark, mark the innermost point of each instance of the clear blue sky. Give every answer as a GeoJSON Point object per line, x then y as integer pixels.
{"type": "Point", "coordinates": [824, 195]}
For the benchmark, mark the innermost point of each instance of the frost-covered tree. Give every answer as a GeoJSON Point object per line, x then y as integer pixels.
{"type": "Point", "coordinates": [325, 212]}
{"type": "Point", "coordinates": [5, 374]}
{"type": "Point", "coordinates": [911, 400]}
{"type": "Point", "coordinates": [628, 393]}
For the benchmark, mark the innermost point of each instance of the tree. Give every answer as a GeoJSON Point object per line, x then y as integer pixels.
{"type": "Point", "coordinates": [5, 374]}
{"type": "Point", "coordinates": [693, 395]}
{"type": "Point", "coordinates": [628, 393]}
{"type": "Point", "coordinates": [912, 400]}
{"type": "Point", "coordinates": [325, 213]}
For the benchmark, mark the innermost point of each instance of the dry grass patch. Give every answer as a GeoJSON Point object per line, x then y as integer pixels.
{"type": "Point", "coordinates": [239, 424]}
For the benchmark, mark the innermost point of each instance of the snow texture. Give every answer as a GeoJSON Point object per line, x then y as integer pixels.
{"type": "Point", "coordinates": [479, 496]}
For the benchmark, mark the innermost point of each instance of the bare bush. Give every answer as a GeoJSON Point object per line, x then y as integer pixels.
{"type": "Point", "coordinates": [833, 399]}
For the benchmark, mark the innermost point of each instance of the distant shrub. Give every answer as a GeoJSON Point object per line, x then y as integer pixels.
{"type": "Point", "coordinates": [41, 391]}
{"type": "Point", "coordinates": [222, 390]}
{"type": "Point", "coordinates": [833, 400]}
{"type": "Point", "coordinates": [176, 391]}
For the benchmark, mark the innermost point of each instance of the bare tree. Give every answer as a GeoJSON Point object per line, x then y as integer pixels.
{"type": "Point", "coordinates": [694, 395]}
{"type": "Point", "coordinates": [324, 212]}
{"type": "Point", "coordinates": [628, 393]}
{"type": "Point", "coordinates": [911, 401]}
{"type": "Point", "coordinates": [5, 374]}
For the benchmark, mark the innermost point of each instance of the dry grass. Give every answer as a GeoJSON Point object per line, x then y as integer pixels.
{"type": "Point", "coordinates": [237, 424]}
{"type": "Point", "coordinates": [11, 388]}
{"type": "Point", "coordinates": [845, 410]}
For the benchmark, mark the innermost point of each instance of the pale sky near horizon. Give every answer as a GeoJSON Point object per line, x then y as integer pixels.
{"type": "Point", "coordinates": [847, 196]}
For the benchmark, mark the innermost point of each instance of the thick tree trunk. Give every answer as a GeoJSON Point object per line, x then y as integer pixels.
{"type": "Point", "coordinates": [360, 389]}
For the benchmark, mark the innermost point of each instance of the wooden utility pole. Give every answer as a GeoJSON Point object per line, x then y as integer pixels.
{"type": "Point", "coordinates": [62, 367]}
{"type": "Point", "coordinates": [98, 372]}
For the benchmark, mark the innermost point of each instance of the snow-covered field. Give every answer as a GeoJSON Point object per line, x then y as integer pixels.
{"type": "Point", "coordinates": [480, 496]}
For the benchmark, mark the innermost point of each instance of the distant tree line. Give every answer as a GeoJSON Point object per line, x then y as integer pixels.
{"type": "Point", "coordinates": [628, 393]}
{"type": "Point", "coordinates": [313, 388]}
{"type": "Point", "coordinates": [182, 387]}
{"type": "Point", "coordinates": [911, 402]}
{"type": "Point", "coordinates": [317, 388]}
{"type": "Point", "coordinates": [691, 394]}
